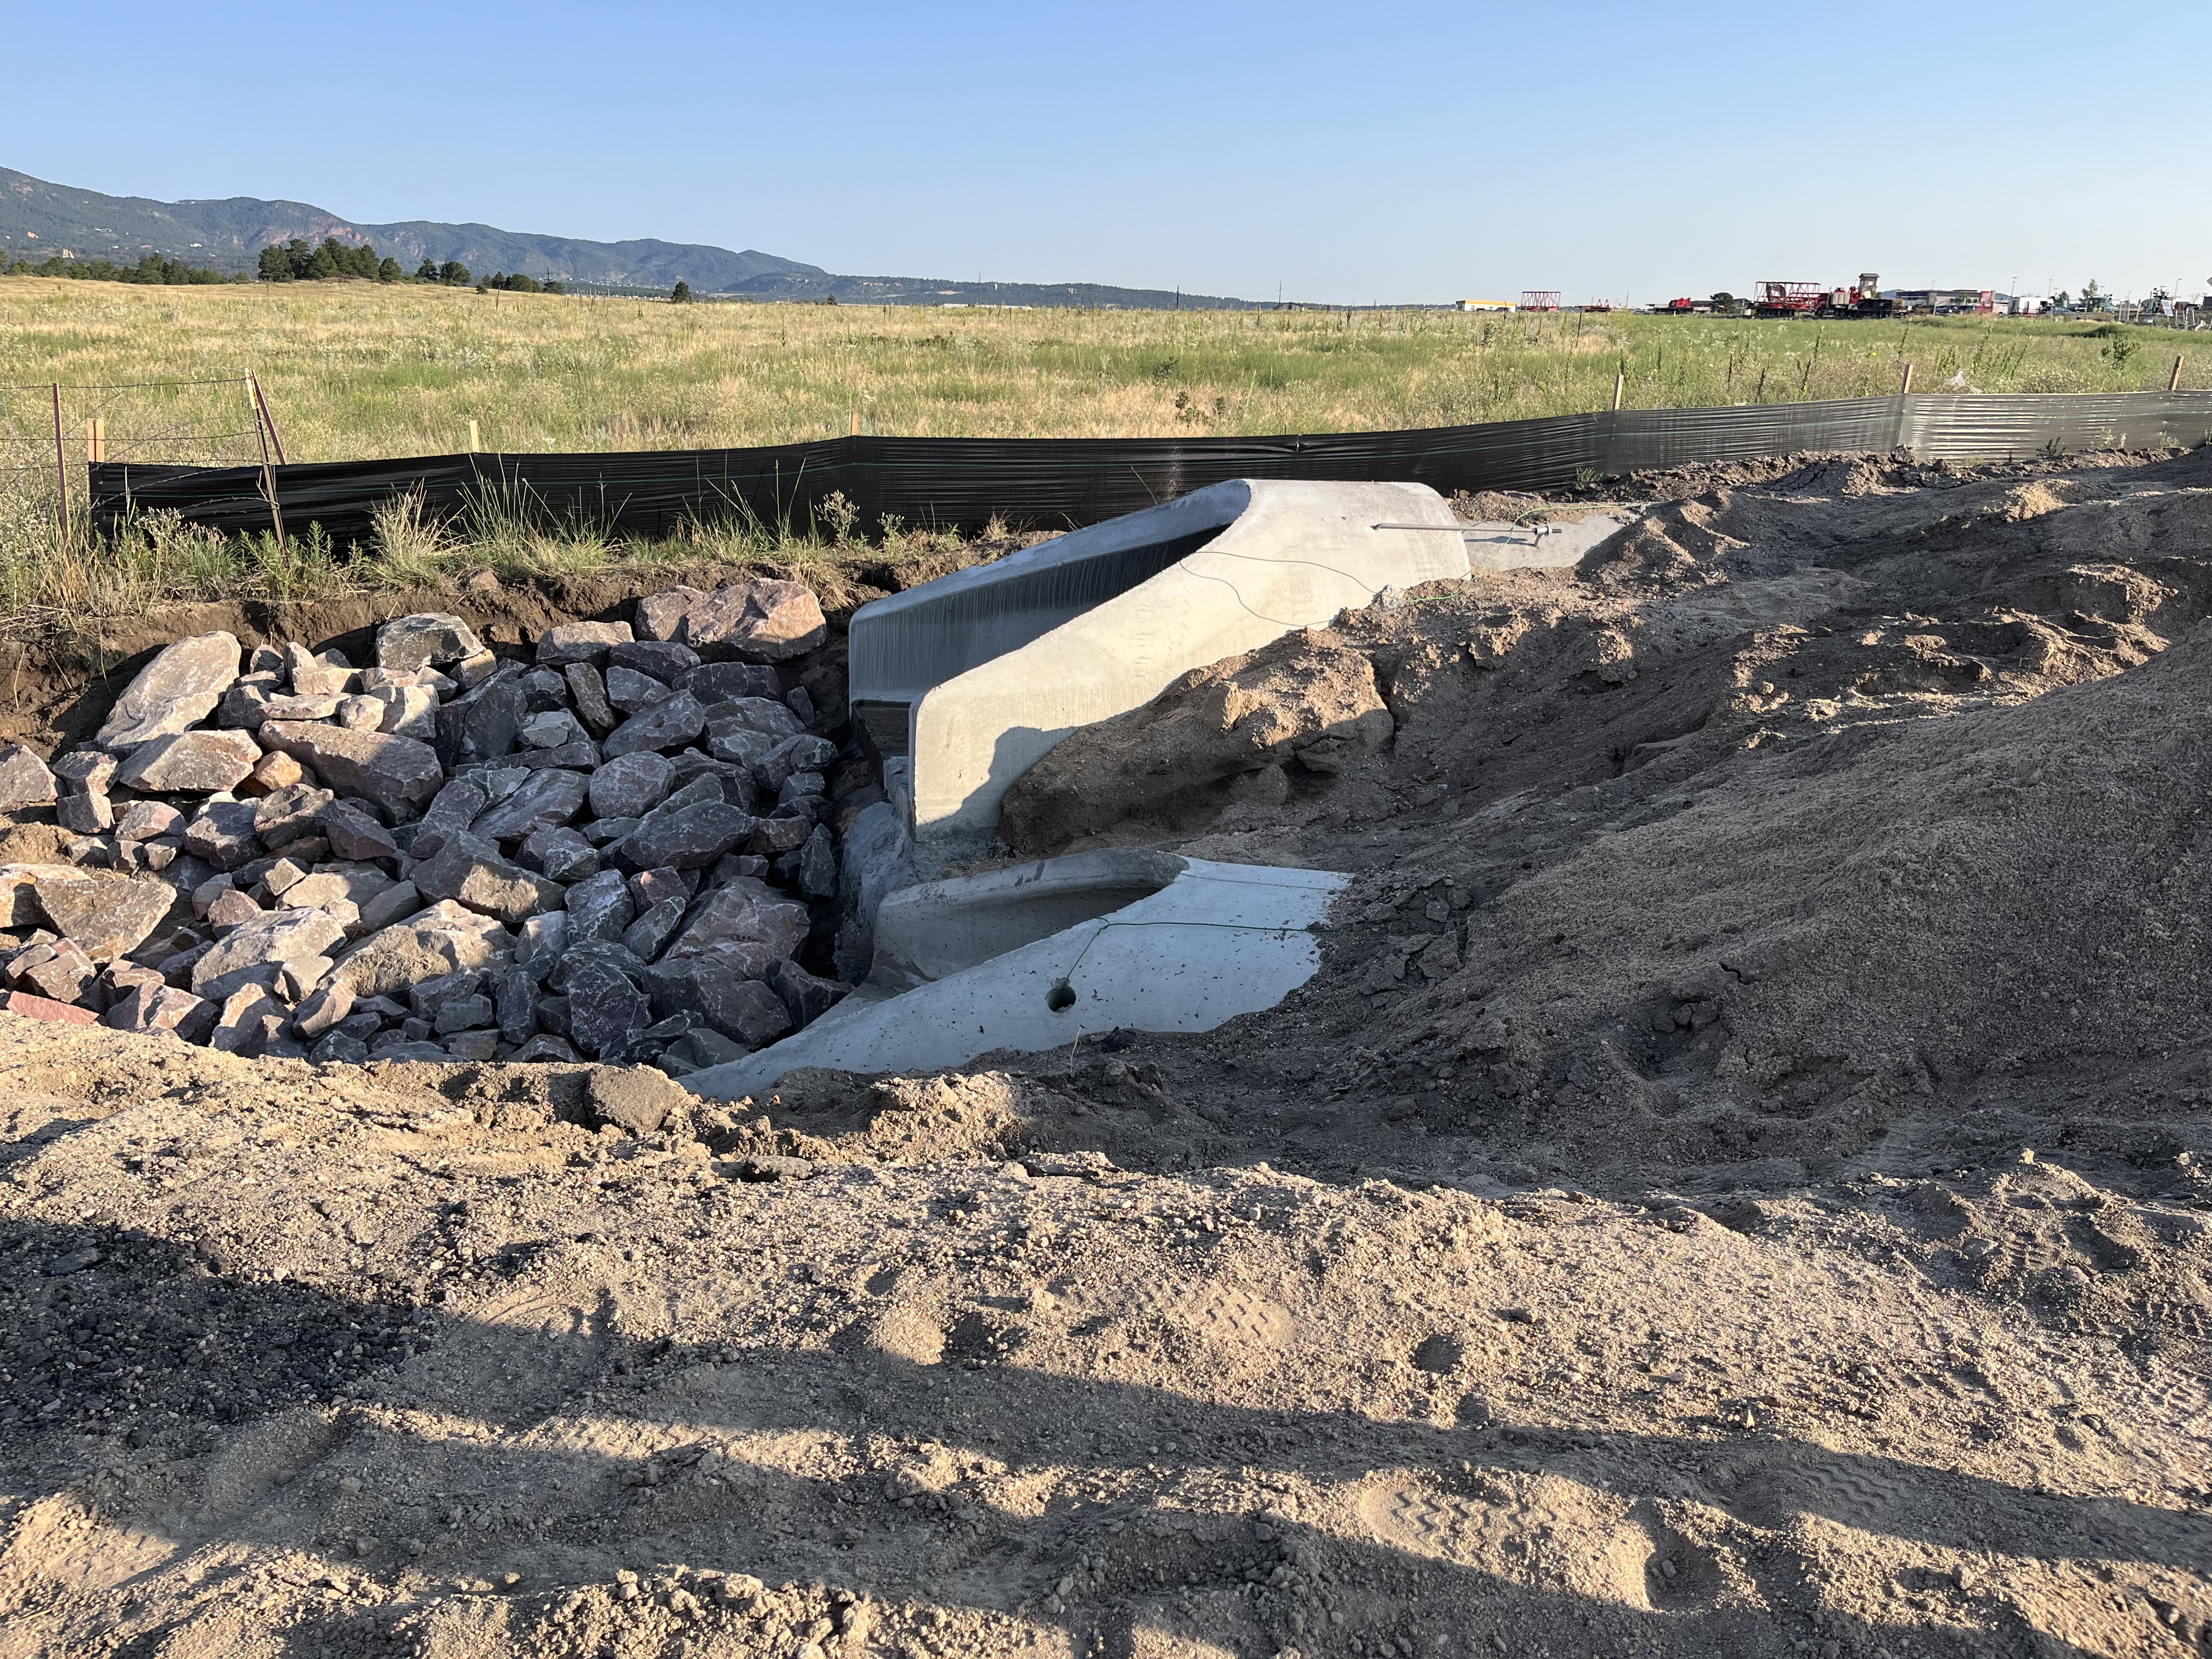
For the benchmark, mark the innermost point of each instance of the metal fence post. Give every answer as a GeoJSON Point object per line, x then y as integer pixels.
{"type": "Point", "coordinates": [61, 461]}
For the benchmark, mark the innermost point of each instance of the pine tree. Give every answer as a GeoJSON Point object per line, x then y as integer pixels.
{"type": "Point", "coordinates": [276, 264]}
{"type": "Point", "coordinates": [453, 274]}
{"type": "Point", "coordinates": [389, 271]}
{"type": "Point", "coordinates": [427, 271]}
{"type": "Point", "coordinates": [682, 293]}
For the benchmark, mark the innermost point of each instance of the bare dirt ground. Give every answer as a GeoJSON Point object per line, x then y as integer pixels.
{"type": "Point", "coordinates": [1737, 1186]}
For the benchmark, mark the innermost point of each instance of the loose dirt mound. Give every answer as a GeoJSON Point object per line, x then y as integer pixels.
{"type": "Point", "coordinates": [1735, 1187]}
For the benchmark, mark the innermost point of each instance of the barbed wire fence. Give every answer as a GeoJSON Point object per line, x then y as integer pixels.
{"type": "Point", "coordinates": [51, 434]}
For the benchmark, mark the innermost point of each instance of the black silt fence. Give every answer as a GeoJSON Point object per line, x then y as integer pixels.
{"type": "Point", "coordinates": [1062, 482]}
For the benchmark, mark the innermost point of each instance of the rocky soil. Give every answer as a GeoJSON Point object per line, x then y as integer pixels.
{"type": "Point", "coordinates": [1737, 1186]}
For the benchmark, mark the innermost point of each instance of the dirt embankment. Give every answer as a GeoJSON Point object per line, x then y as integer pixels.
{"type": "Point", "coordinates": [1737, 1186]}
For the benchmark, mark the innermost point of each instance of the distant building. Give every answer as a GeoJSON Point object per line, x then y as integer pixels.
{"type": "Point", "coordinates": [2029, 304]}
{"type": "Point", "coordinates": [1485, 305]}
{"type": "Point", "coordinates": [1942, 301]}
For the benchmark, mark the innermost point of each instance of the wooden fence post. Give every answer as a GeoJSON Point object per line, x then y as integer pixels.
{"type": "Point", "coordinates": [96, 442]}
{"type": "Point", "coordinates": [1620, 388]}
{"type": "Point", "coordinates": [472, 438]}
{"type": "Point", "coordinates": [1904, 385]}
{"type": "Point", "coordinates": [2173, 380]}
{"type": "Point", "coordinates": [61, 460]}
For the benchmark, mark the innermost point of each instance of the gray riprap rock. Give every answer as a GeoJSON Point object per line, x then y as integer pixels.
{"type": "Point", "coordinates": [361, 713]}
{"type": "Point", "coordinates": [632, 692]}
{"type": "Point", "coordinates": [317, 674]}
{"type": "Point", "coordinates": [665, 661]}
{"type": "Point", "coordinates": [232, 907]}
{"type": "Point", "coordinates": [770, 716]}
{"type": "Point", "coordinates": [90, 769]}
{"type": "Point", "coordinates": [605, 832]}
{"type": "Point", "coordinates": [85, 813]}
{"type": "Point", "coordinates": [358, 885]}
{"type": "Point", "coordinates": [598, 907]}
{"type": "Point", "coordinates": [631, 785]}
{"type": "Point", "coordinates": [395, 903]}
{"type": "Point", "coordinates": [323, 1010]}
{"type": "Point", "coordinates": [457, 806]}
{"type": "Point", "coordinates": [724, 682]}
{"type": "Point", "coordinates": [271, 939]}
{"type": "Point", "coordinates": [562, 853]}
{"type": "Point", "coordinates": [744, 1010]}
{"type": "Point", "coordinates": [576, 756]}
{"type": "Point", "coordinates": [687, 837]}
{"type": "Point", "coordinates": [514, 1001]}
{"type": "Point", "coordinates": [807, 996]}
{"type": "Point", "coordinates": [764, 621]}
{"type": "Point", "coordinates": [661, 615]}
{"type": "Point", "coordinates": [158, 1007]}
{"type": "Point", "coordinates": [425, 641]}
{"type": "Point", "coordinates": [483, 725]}
{"type": "Point", "coordinates": [191, 763]}
{"type": "Point", "coordinates": [24, 780]}
{"type": "Point", "coordinates": [283, 816]}
{"type": "Point", "coordinates": [545, 800]}
{"type": "Point", "coordinates": [581, 641]}
{"type": "Point", "coordinates": [222, 832]}
{"type": "Point", "coordinates": [246, 705]}
{"type": "Point", "coordinates": [469, 1013]}
{"type": "Point", "coordinates": [544, 938]}
{"type": "Point", "coordinates": [802, 787]}
{"type": "Point", "coordinates": [179, 689]}
{"type": "Point", "coordinates": [108, 917]}
{"type": "Point", "coordinates": [647, 936]}
{"type": "Point", "coordinates": [667, 724]}
{"type": "Point", "coordinates": [397, 774]}
{"type": "Point", "coordinates": [817, 864]}
{"type": "Point", "coordinates": [430, 998]}
{"type": "Point", "coordinates": [250, 1020]}
{"type": "Point", "coordinates": [543, 1047]}
{"type": "Point", "coordinates": [142, 820]}
{"type": "Point", "coordinates": [353, 834]}
{"type": "Point", "coordinates": [636, 1098]}
{"type": "Point", "coordinates": [775, 836]}
{"type": "Point", "coordinates": [338, 1049]}
{"type": "Point", "coordinates": [605, 1011]}
{"type": "Point", "coordinates": [60, 971]}
{"type": "Point", "coordinates": [555, 728]}
{"type": "Point", "coordinates": [650, 887]}
{"type": "Point", "coordinates": [300, 708]}
{"type": "Point", "coordinates": [588, 691]}
{"type": "Point", "coordinates": [388, 962]}
{"type": "Point", "coordinates": [409, 711]}
{"type": "Point", "coordinates": [470, 871]}
{"type": "Point", "coordinates": [804, 753]}
{"type": "Point", "coordinates": [744, 912]}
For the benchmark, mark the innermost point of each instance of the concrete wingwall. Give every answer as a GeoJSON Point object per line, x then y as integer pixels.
{"type": "Point", "coordinates": [995, 666]}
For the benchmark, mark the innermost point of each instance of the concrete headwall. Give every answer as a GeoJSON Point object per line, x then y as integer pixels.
{"type": "Point", "coordinates": [995, 666]}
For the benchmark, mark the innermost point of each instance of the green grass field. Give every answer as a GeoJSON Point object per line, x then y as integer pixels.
{"type": "Point", "coordinates": [359, 370]}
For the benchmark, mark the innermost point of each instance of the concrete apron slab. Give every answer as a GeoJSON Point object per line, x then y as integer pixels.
{"type": "Point", "coordinates": [1218, 941]}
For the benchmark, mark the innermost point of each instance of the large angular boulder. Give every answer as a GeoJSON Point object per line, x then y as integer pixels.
{"type": "Point", "coordinates": [353, 834]}
{"type": "Point", "coordinates": [630, 786]}
{"type": "Point", "coordinates": [764, 621]}
{"type": "Point", "coordinates": [389, 963]}
{"type": "Point", "coordinates": [605, 1011]}
{"type": "Point", "coordinates": [179, 689]}
{"type": "Point", "coordinates": [158, 1007]}
{"type": "Point", "coordinates": [456, 806]}
{"type": "Point", "coordinates": [24, 780]}
{"type": "Point", "coordinates": [807, 996]}
{"type": "Point", "coordinates": [191, 763]}
{"type": "Point", "coordinates": [665, 661]}
{"type": "Point", "coordinates": [667, 725]}
{"type": "Point", "coordinates": [107, 916]}
{"type": "Point", "coordinates": [599, 908]}
{"type": "Point", "coordinates": [588, 691]}
{"type": "Point", "coordinates": [483, 725]}
{"type": "Point", "coordinates": [721, 682]}
{"type": "Point", "coordinates": [746, 911]}
{"type": "Point", "coordinates": [687, 837]}
{"type": "Point", "coordinates": [709, 989]}
{"type": "Point", "coordinates": [274, 937]}
{"type": "Point", "coordinates": [545, 800]}
{"type": "Point", "coordinates": [471, 872]}
{"type": "Point", "coordinates": [426, 640]}
{"type": "Point", "coordinates": [284, 815]}
{"type": "Point", "coordinates": [581, 641]}
{"type": "Point", "coordinates": [397, 774]}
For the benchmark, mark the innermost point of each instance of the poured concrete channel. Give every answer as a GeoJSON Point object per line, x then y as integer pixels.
{"type": "Point", "coordinates": [975, 677]}
{"type": "Point", "coordinates": [1214, 941]}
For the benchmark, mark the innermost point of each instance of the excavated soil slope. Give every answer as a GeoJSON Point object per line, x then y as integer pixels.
{"type": "Point", "coordinates": [1735, 1187]}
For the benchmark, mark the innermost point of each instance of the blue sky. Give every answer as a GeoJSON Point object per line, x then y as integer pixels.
{"type": "Point", "coordinates": [1414, 153]}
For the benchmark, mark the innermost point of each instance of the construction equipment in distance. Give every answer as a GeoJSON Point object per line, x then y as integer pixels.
{"type": "Point", "coordinates": [1540, 299]}
{"type": "Point", "coordinates": [1862, 299]}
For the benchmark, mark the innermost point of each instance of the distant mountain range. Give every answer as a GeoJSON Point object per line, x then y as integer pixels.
{"type": "Point", "coordinates": [39, 221]}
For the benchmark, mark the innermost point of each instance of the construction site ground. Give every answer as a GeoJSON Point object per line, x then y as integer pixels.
{"type": "Point", "coordinates": [1737, 1185]}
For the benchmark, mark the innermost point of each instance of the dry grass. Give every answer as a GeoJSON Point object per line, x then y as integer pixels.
{"type": "Point", "coordinates": [359, 370]}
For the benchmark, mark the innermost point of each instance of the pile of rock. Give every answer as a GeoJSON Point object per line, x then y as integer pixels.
{"type": "Point", "coordinates": [615, 848]}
